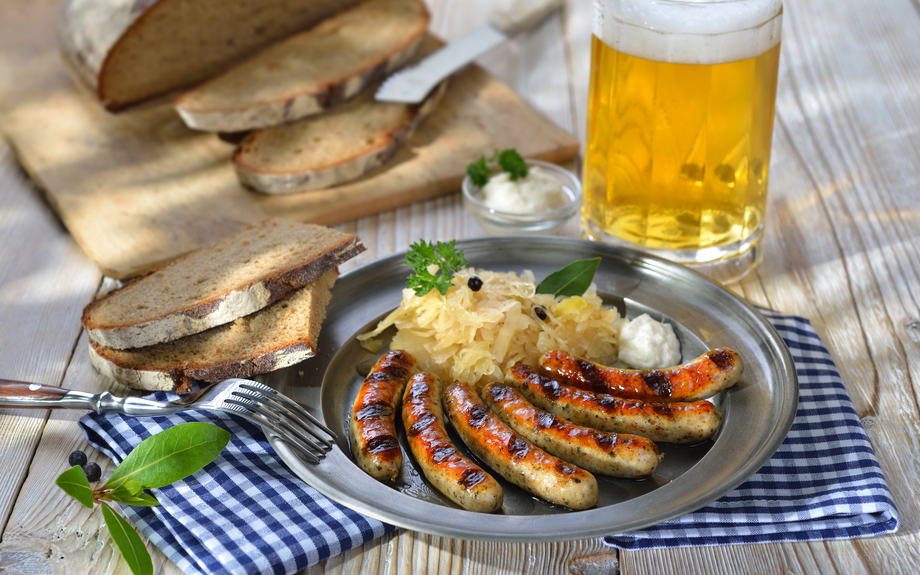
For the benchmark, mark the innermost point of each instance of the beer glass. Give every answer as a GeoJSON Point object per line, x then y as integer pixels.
{"type": "Point", "coordinates": [680, 120]}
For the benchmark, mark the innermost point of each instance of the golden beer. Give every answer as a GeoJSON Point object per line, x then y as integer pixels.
{"type": "Point", "coordinates": [678, 142]}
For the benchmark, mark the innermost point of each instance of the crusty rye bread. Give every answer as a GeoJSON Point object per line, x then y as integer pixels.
{"type": "Point", "coordinates": [310, 71]}
{"type": "Point", "coordinates": [130, 50]}
{"type": "Point", "coordinates": [279, 336]}
{"type": "Point", "coordinates": [340, 145]}
{"type": "Point", "coordinates": [232, 278]}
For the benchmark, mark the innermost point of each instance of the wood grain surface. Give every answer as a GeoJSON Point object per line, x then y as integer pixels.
{"type": "Point", "coordinates": [841, 248]}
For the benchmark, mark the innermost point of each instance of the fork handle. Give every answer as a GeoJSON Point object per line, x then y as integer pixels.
{"type": "Point", "coordinates": [38, 395]}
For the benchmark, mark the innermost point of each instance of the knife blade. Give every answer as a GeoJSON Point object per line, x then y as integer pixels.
{"type": "Point", "coordinates": [410, 85]}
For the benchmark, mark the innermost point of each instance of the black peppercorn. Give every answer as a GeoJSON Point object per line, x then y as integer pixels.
{"type": "Point", "coordinates": [541, 312]}
{"type": "Point", "coordinates": [474, 283]}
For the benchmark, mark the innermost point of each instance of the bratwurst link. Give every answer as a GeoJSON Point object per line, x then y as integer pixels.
{"type": "Point", "coordinates": [668, 422]}
{"type": "Point", "coordinates": [515, 458]}
{"type": "Point", "coordinates": [615, 454]}
{"type": "Point", "coordinates": [698, 379]}
{"type": "Point", "coordinates": [461, 480]}
{"type": "Point", "coordinates": [373, 416]}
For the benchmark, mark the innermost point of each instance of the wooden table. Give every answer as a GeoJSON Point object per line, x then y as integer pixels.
{"type": "Point", "coordinates": [841, 248]}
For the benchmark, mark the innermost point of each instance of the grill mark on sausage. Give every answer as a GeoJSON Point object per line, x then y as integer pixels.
{"type": "Point", "coordinates": [721, 358]}
{"type": "Point", "coordinates": [478, 416]}
{"type": "Point", "coordinates": [498, 392]}
{"type": "Point", "coordinates": [605, 440]}
{"type": "Point", "coordinates": [566, 469]}
{"type": "Point", "coordinates": [418, 391]}
{"type": "Point", "coordinates": [442, 453]}
{"type": "Point", "coordinates": [382, 443]}
{"type": "Point", "coordinates": [472, 477]}
{"type": "Point", "coordinates": [658, 382]}
{"type": "Point", "coordinates": [587, 370]}
{"type": "Point", "coordinates": [663, 409]}
{"type": "Point", "coordinates": [377, 409]}
{"type": "Point", "coordinates": [517, 447]}
{"type": "Point", "coordinates": [545, 420]}
{"type": "Point", "coordinates": [423, 423]}
{"type": "Point", "coordinates": [391, 372]}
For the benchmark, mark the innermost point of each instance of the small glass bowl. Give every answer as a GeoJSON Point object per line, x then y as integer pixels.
{"type": "Point", "coordinates": [496, 223]}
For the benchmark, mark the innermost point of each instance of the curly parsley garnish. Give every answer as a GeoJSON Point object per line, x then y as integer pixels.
{"type": "Point", "coordinates": [433, 265]}
{"type": "Point", "coordinates": [508, 160]}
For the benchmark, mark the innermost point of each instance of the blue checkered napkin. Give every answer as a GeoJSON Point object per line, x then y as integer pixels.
{"type": "Point", "coordinates": [823, 482]}
{"type": "Point", "coordinates": [245, 513]}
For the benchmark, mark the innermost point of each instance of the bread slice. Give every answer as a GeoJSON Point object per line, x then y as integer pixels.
{"type": "Point", "coordinates": [215, 285]}
{"type": "Point", "coordinates": [279, 336]}
{"type": "Point", "coordinates": [131, 50]}
{"type": "Point", "coordinates": [338, 146]}
{"type": "Point", "coordinates": [311, 71]}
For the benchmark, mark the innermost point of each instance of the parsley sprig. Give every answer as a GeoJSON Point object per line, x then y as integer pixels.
{"type": "Point", "coordinates": [422, 256]}
{"type": "Point", "coordinates": [508, 160]}
{"type": "Point", "coordinates": [573, 279]}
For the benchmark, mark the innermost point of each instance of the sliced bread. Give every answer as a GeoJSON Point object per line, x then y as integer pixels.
{"type": "Point", "coordinates": [338, 146]}
{"type": "Point", "coordinates": [131, 50]}
{"type": "Point", "coordinates": [311, 71]}
{"type": "Point", "coordinates": [215, 285]}
{"type": "Point", "coordinates": [279, 336]}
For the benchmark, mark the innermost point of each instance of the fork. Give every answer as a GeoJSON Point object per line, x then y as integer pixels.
{"type": "Point", "coordinates": [251, 400]}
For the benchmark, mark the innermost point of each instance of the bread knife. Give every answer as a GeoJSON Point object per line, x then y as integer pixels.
{"type": "Point", "coordinates": [411, 84]}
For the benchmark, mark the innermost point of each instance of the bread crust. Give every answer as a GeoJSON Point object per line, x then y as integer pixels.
{"type": "Point", "coordinates": [220, 308]}
{"type": "Point", "coordinates": [345, 169]}
{"type": "Point", "coordinates": [310, 99]}
{"type": "Point", "coordinates": [180, 378]}
{"type": "Point", "coordinates": [91, 34]}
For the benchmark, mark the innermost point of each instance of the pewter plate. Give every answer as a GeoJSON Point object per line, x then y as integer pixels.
{"type": "Point", "coordinates": [757, 412]}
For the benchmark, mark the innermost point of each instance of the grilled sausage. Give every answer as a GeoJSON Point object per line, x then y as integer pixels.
{"type": "Point", "coordinates": [454, 475]}
{"type": "Point", "coordinates": [513, 457]}
{"type": "Point", "coordinates": [667, 422]}
{"type": "Point", "coordinates": [698, 379]}
{"type": "Point", "coordinates": [373, 417]}
{"type": "Point", "coordinates": [619, 455]}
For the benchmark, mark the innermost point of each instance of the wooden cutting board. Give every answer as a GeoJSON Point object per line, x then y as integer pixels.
{"type": "Point", "coordinates": [138, 188]}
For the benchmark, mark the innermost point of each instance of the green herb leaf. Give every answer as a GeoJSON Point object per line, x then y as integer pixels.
{"type": "Point", "coordinates": [573, 279]}
{"type": "Point", "coordinates": [479, 172]}
{"type": "Point", "coordinates": [129, 543]}
{"type": "Point", "coordinates": [512, 162]}
{"type": "Point", "coordinates": [139, 500]}
{"type": "Point", "coordinates": [74, 483]}
{"type": "Point", "coordinates": [170, 455]}
{"type": "Point", "coordinates": [422, 255]}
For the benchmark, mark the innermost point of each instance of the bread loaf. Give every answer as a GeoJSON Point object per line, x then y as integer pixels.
{"type": "Point", "coordinates": [215, 285]}
{"type": "Point", "coordinates": [130, 50]}
{"type": "Point", "coordinates": [310, 71]}
{"type": "Point", "coordinates": [279, 336]}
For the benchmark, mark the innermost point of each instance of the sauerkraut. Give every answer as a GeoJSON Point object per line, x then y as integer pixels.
{"type": "Point", "coordinates": [476, 336]}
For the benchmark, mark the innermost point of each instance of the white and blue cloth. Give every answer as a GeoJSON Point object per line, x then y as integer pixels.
{"type": "Point", "coordinates": [247, 513]}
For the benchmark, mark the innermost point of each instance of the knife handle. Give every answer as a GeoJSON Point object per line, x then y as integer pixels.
{"type": "Point", "coordinates": [523, 15]}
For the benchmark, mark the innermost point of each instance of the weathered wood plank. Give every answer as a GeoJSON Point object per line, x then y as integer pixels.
{"type": "Point", "coordinates": [45, 280]}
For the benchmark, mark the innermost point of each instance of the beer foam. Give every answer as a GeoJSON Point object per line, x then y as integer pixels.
{"type": "Point", "coordinates": [689, 31]}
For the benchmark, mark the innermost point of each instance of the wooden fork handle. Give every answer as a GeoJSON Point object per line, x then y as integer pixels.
{"type": "Point", "coordinates": [25, 394]}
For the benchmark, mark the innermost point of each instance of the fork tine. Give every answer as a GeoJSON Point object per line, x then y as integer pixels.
{"type": "Point", "coordinates": [289, 417]}
{"type": "Point", "coordinates": [277, 421]}
{"type": "Point", "coordinates": [307, 448]}
{"type": "Point", "coordinates": [290, 404]}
